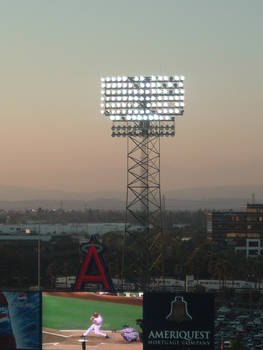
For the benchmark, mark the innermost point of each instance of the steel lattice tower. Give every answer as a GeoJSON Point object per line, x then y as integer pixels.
{"type": "Point", "coordinates": [143, 206]}
{"type": "Point", "coordinates": [143, 109]}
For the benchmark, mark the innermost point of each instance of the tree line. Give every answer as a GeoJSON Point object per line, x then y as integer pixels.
{"type": "Point", "coordinates": [48, 216]}
{"type": "Point", "coordinates": [62, 257]}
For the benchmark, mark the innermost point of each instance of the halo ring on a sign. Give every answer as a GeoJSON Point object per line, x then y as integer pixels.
{"type": "Point", "coordinates": [85, 247]}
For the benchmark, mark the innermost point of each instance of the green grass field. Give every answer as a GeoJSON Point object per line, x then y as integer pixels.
{"type": "Point", "coordinates": [73, 313]}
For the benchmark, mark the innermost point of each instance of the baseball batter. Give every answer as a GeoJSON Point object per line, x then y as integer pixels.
{"type": "Point", "coordinates": [96, 323]}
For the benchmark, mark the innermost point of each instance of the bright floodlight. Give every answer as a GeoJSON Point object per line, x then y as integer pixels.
{"type": "Point", "coordinates": [142, 98]}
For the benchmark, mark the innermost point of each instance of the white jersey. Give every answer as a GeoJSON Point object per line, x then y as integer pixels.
{"type": "Point", "coordinates": [98, 320]}
{"type": "Point", "coordinates": [95, 327]}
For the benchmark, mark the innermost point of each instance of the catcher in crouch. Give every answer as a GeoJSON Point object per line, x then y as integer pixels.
{"type": "Point", "coordinates": [96, 322]}
{"type": "Point", "coordinates": [129, 334]}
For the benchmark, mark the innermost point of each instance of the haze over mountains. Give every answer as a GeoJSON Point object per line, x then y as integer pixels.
{"type": "Point", "coordinates": [220, 197]}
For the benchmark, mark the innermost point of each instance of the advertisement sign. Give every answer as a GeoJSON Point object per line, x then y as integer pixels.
{"type": "Point", "coordinates": [93, 258]}
{"type": "Point", "coordinates": [178, 321]}
{"type": "Point", "coordinates": [20, 320]}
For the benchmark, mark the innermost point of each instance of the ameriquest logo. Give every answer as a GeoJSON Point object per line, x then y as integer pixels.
{"type": "Point", "coordinates": [182, 321]}
{"type": "Point", "coordinates": [179, 310]}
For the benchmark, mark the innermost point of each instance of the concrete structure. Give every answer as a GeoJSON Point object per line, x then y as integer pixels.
{"type": "Point", "coordinates": [173, 284]}
{"type": "Point", "coordinates": [241, 230]}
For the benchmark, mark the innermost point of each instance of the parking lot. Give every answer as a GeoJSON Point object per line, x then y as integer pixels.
{"type": "Point", "coordinates": [244, 325]}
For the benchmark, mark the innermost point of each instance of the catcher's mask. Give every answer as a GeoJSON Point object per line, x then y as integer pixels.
{"type": "Point", "coordinates": [125, 326]}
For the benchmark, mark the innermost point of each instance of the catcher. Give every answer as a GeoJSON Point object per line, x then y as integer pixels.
{"type": "Point", "coordinates": [129, 334]}
{"type": "Point", "coordinates": [96, 322]}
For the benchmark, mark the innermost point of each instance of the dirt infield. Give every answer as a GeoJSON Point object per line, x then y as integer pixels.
{"type": "Point", "coordinates": [97, 297]}
{"type": "Point", "coordinates": [70, 340]}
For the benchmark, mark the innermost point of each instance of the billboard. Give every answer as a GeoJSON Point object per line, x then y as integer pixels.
{"type": "Point", "coordinates": [178, 321]}
{"type": "Point", "coordinates": [20, 320]}
{"type": "Point", "coordinates": [85, 320]}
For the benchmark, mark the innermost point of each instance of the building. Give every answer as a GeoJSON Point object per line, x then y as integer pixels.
{"type": "Point", "coordinates": [45, 232]}
{"type": "Point", "coordinates": [242, 230]}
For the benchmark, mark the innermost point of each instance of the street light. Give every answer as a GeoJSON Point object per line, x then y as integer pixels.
{"type": "Point", "coordinates": [38, 259]}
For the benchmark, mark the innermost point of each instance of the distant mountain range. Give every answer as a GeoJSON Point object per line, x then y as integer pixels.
{"type": "Point", "coordinates": [221, 197]}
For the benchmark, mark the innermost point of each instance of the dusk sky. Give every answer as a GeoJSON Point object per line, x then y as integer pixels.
{"type": "Point", "coordinates": [53, 53]}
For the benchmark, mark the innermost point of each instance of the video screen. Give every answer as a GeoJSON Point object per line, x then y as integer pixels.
{"type": "Point", "coordinates": [84, 320]}
{"type": "Point", "coordinates": [20, 320]}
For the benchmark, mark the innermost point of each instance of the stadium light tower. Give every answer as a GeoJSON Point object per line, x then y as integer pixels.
{"type": "Point", "coordinates": [143, 109]}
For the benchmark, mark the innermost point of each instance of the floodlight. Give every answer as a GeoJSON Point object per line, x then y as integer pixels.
{"type": "Point", "coordinates": [143, 109]}
{"type": "Point", "coordinates": [143, 89]}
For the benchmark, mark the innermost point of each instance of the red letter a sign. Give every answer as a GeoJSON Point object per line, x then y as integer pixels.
{"type": "Point", "coordinates": [93, 254]}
